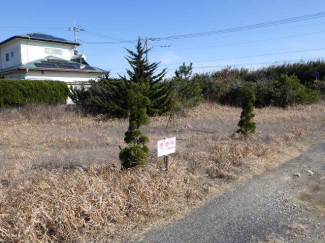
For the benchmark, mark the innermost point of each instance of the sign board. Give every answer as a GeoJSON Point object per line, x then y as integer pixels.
{"type": "Point", "coordinates": [316, 74]}
{"type": "Point", "coordinates": [166, 146]}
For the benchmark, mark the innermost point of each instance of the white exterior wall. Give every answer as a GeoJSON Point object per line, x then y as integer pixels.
{"type": "Point", "coordinates": [12, 46]}
{"type": "Point", "coordinates": [60, 76]}
{"type": "Point", "coordinates": [32, 50]}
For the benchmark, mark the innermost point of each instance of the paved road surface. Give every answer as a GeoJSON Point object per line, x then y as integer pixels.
{"type": "Point", "coordinates": [262, 207]}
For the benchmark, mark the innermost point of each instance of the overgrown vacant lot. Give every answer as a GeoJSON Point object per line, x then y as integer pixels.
{"type": "Point", "coordinates": [60, 178]}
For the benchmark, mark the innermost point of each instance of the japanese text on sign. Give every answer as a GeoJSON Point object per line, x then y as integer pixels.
{"type": "Point", "coordinates": [166, 146]}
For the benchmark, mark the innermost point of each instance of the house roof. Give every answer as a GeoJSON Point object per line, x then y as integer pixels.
{"type": "Point", "coordinates": [56, 64]}
{"type": "Point", "coordinates": [41, 37]}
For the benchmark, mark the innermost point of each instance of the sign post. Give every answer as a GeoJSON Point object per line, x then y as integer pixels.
{"type": "Point", "coordinates": [165, 147]}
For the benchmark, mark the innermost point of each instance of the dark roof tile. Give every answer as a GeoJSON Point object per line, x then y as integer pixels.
{"type": "Point", "coordinates": [41, 37]}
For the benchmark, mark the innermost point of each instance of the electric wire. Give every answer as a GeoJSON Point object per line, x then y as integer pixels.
{"type": "Point", "coordinates": [103, 36]}
{"type": "Point", "coordinates": [244, 28]}
{"type": "Point", "coordinates": [242, 57]}
{"type": "Point", "coordinates": [234, 58]}
{"type": "Point", "coordinates": [224, 31]}
{"type": "Point", "coordinates": [246, 42]}
{"type": "Point", "coordinates": [280, 62]}
{"type": "Point", "coordinates": [245, 34]}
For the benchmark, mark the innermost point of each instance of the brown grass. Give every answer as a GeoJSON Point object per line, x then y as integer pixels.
{"type": "Point", "coordinates": [90, 203]}
{"type": "Point", "coordinates": [60, 179]}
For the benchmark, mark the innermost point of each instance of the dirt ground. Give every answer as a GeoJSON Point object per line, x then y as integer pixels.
{"type": "Point", "coordinates": [53, 136]}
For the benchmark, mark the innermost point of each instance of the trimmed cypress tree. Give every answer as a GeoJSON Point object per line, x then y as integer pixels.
{"type": "Point", "coordinates": [246, 125]}
{"type": "Point", "coordinates": [141, 79]}
{"type": "Point", "coordinates": [136, 152]}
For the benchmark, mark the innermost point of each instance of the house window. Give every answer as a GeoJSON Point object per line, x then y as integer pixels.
{"type": "Point", "coordinates": [9, 56]}
{"type": "Point", "coordinates": [54, 51]}
{"type": "Point", "coordinates": [48, 51]}
{"type": "Point", "coordinates": [57, 51]}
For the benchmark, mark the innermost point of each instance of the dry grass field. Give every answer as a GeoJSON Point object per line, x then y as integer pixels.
{"type": "Point", "coordinates": [60, 177]}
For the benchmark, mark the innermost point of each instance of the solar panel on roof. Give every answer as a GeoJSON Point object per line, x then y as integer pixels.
{"type": "Point", "coordinates": [46, 37]}
{"type": "Point", "coordinates": [68, 67]}
{"type": "Point", "coordinates": [88, 68]}
{"type": "Point", "coordinates": [45, 62]}
{"type": "Point", "coordinates": [52, 60]}
{"type": "Point", "coordinates": [62, 64]}
{"type": "Point", "coordinates": [45, 65]}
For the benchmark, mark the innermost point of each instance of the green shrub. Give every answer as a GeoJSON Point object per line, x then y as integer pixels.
{"type": "Point", "coordinates": [80, 95]}
{"type": "Point", "coordinates": [246, 125]}
{"type": "Point", "coordinates": [305, 71]}
{"type": "Point", "coordinates": [320, 86]}
{"type": "Point", "coordinates": [20, 92]}
{"type": "Point", "coordinates": [283, 91]}
{"type": "Point", "coordinates": [105, 96]}
{"type": "Point", "coordinates": [289, 91]}
{"type": "Point", "coordinates": [205, 81]}
{"type": "Point", "coordinates": [186, 89]}
{"type": "Point", "coordinates": [264, 92]}
{"type": "Point", "coordinates": [226, 87]}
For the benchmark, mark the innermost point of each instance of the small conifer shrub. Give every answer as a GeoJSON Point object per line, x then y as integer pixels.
{"type": "Point", "coordinates": [246, 125]}
{"type": "Point", "coordinates": [187, 90]}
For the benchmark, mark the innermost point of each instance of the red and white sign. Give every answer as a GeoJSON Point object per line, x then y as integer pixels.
{"type": "Point", "coordinates": [166, 146]}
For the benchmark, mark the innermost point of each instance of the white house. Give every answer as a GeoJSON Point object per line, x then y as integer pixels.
{"type": "Point", "coordinates": [38, 56]}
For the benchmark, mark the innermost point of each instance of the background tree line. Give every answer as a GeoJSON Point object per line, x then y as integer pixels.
{"type": "Point", "coordinates": [280, 86]}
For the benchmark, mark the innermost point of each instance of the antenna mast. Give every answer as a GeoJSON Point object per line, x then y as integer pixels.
{"type": "Point", "coordinates": [76, 29]}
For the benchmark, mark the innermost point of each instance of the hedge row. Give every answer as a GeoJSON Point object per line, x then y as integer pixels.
{"type": "Point", "coordinates": [20, 92]}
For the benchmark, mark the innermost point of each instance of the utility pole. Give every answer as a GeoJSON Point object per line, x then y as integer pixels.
{"type": "Point", "coordinates": [76, 29]}
{"type": "Point", "coordinates": [146, 44]}
{"type": "Point", "coordinates": [83, 47]}
{"type": "Point", "coordinates": [146, 40]}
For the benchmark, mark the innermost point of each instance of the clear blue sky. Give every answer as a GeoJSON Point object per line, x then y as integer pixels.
{"type": "Point", "coordinates": [127, 20]}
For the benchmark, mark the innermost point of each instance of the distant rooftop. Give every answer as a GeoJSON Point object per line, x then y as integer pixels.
{"type": "Point", "coordinates": [52, 63]}
{"type": "Point", "coordinates": [55, 63]}
{"type": "Point", "coordinates": [41, 37]}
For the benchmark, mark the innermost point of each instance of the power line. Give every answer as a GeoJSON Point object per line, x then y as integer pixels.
{"type": "Point", "coordinates": [256, 63]}
{"type": "Point", "coordinates": [225, 31]}
{"type": "Point", "coordinates": [244, 28]}
{"type": "Point", "coordinates": [246, 42]}
{"type": "Point", "coordinates": [103, 36]}
{"type": "Point", "coordinates": [247, 64]}
{"type": "Point", "coordinates": [241, 57]}
{"type": "Point", "coordinates": [112, 42]}
{"type": "Point", "coordinates": [261, 55]}
{"type": "Point", "coordinates": [251, 33]}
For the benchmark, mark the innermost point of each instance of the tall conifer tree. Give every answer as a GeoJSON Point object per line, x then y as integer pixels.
{"type": "Point", "coordinates": [145, 93]}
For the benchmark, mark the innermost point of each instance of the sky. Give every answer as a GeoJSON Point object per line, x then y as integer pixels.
{"type": "Point", "coordinates": [111, 21]}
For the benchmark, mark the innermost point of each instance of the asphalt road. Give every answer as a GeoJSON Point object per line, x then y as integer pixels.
{"type": "Point", "coordinates": [275, 204]}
